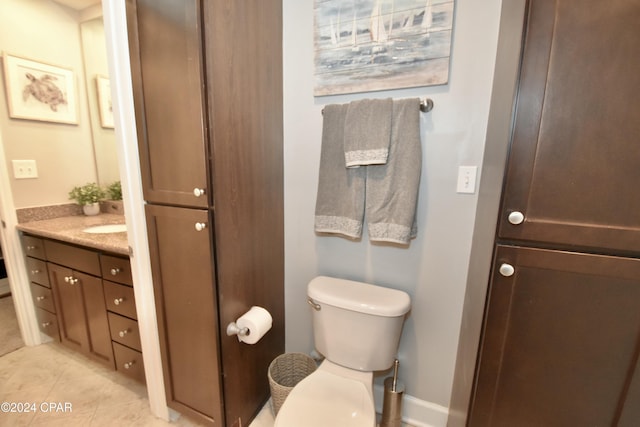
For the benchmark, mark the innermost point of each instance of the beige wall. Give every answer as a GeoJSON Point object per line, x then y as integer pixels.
{"type": "Point", "coordinates": [49, 33]}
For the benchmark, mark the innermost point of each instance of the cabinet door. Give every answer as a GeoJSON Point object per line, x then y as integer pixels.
{"type": "Point", "coordinates": [186, 302]}
{"type": "Point", "coordinates": [99, 336]}
{"type": "Point", "coordinates": [573, 169]}
{"type": "Point", "coordinates": [561, 341]}
{"type": "Point", "coordinates": [69, 307]}
{"type": "Point", "coordinates": [166, 61]}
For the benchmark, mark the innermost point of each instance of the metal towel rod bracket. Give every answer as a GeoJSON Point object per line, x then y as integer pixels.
{"type": "Point", "coordinates": [426, 105]}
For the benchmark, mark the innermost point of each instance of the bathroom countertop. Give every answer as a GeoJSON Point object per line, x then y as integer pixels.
{"type": "Point", "coordinates": [69, 229]}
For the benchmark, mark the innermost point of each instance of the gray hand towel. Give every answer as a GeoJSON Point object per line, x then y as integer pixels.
{"type": "Point", "coordinates": [340, 200]}
{"type": "Point", "coordinates": [392, 189]}
{"type": "Point", "coordinates": [367, 132]}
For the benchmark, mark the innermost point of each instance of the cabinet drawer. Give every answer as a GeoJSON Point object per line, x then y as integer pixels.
{"type": "Point", "coordinates": [125, 331]}
{"type": "Point", "coordinates": [74, 257]}
{"type": "Point", "coordinates": [33, 246]}
{"type": "Point", "coordinates": [116, 269]}
{"type": "Point", "coordinates": [129, 362]}
{"type": "Point", "coordinates": [43, 297]}
{"type": "Point", "coordinates": [37, 270]}
{"type": "Point", "coordinates": [48, 323]}
{"type": "Point", "coordinates": [120, 299]}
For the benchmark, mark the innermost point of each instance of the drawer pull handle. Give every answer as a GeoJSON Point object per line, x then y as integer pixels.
{"type": "Point", "coordinates": [31, 248]}
{"type": "Point", "coordinates": [118, 301]}
{"type": "Point", "coordinates": [198, 192]}
{"type": "Point", "coordinates": [115, 271]}
{"type": "Point", "coordinates": [71, 280]}
{"type": "Point", "coordinates": [40, 298]}
{"type": "Point", "coordinates": [34, 272]}
{"type": "Point", "coordinates": [128, 365]}
{"type": "Point", "coordinates": [201, 226]}
{"type": "Point", "coordinates": [123, 333]}
{"type": "Point", "coordinates": [45, 324]}
{"type": "Point", "coordinates": [516, 218]}
{"type": "Point", "coordinates": [506, 270]}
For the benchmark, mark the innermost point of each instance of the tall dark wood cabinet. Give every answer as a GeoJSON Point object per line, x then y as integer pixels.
{"type": "Point", "coordinates": [561, 338]}
{"type": "Point", "coordinates": [207, 79]}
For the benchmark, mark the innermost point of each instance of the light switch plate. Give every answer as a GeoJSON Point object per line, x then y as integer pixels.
{"type": "Point", "coordinates": [467, 179]}
{"type": "Point", "coordinates": [24, 169]}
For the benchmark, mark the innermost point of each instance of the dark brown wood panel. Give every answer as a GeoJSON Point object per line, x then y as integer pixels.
{"type": "Point", "coordinates": [576, 127]}
{"type": "Point", "coordinates": [43, 297]}
{"type": "Point", "coordinates": [69, 307]}
{"type": "Point", "coordinates": [560, 340]}
{"type": "Point", "coordinates": [37, 270]}
{"type": "Point", "coordinates": [120, 299]}
{"type": "Point", "coordinates": [116, 269]}
{"type": "Point", "coordinates": [74, 257]}
{"type": "Point", "coordinates": [95, 311]}
{"type": "Point", "coordinates": [187, 305]}
{"type": "Point", "coordinates": [48, 323]}
{"type": "Point", "coordinates": [168, 93]}
{"type": "Point", "coordinates": [243, 42]}
{"type": "Point", "coordinates": [33, 247]}
{"type": "Point", "coordinates": [129, 362]}
{"type": "Point", "coordinates": [125, 331]}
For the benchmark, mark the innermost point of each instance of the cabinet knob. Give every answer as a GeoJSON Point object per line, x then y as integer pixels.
{"type": "Point", "coordinates": [71, 280]}
{"type": "Point", "coordinates": [114, 271]}
{"type": "Point", "coordinates": [199, 192]}
{"type": "Point", "coordinates": [123, 333]}
{"type": "Point", "coordinates": [118, 301]}
{"type": "Point", "coordinates": [30, 248]}
{"type": "Point", "coordinates": [128, 365]}
{"type": "Point", "coordinates": [516, 218]}
{"type": "Point", "coordinates": [45, 324]}
{"type": "Point", "coordinates": [506, 270]}
{"type": "Point", "coordinates": [201, 226]}
{"type": "Point", "coordinates": [34, 272]}
{"type": "Point", "coordinates": [41, 298]}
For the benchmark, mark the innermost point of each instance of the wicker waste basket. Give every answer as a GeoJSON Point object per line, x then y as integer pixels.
{"type": "Point", "coordinates": [285, 371]}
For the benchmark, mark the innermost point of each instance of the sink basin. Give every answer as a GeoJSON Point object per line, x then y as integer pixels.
{"type": "Point", "coordinates": [108, 228]}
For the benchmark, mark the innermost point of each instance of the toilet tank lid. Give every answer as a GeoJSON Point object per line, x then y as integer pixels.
{"type": "Point", "coordinates": [358, 296]}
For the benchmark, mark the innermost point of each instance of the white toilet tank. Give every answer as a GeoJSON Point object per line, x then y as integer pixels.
{"type": "Point", "coordinates": [357, 325]}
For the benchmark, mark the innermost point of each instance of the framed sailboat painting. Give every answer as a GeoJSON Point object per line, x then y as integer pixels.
{"type": "Point", "coordinates": [369, 45]}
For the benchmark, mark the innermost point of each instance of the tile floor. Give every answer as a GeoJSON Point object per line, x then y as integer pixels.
{"type": "Point", "coordinates": [97, 396]}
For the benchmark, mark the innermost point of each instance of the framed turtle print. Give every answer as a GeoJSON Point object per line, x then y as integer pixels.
{"type": "Point", "coordinates": [39, 91]}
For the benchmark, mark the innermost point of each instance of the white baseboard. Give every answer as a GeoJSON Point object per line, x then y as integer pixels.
{"type": "Point", "coordinates": [4, 287]}
{"type": "Point", "coordinates": [415, 412]}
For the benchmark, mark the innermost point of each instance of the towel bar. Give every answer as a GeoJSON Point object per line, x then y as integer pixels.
{"type": "Point", "coordinates": [426, 105]}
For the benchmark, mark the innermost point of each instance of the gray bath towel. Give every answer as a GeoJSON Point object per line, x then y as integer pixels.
{"type": "Point", "coordinates": [367, 132]}
{"type": "Point", "coordinates": [392, 189]}
{"type": "Point", "coordinates": [340, 200]}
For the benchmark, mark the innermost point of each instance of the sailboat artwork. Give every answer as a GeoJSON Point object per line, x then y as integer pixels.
{"type": "Point", "coordinates": [369, 45]}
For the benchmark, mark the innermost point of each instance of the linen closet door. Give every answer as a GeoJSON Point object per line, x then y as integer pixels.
{"type": "Point", "coordinates": [561, 334]}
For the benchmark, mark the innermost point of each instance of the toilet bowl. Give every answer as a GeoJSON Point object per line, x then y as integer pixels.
{"type": "Point", "coordinates": [357, 328]}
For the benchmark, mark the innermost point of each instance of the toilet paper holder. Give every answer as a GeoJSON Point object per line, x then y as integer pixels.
{"type": "Point", "coordinates": [234, 329]}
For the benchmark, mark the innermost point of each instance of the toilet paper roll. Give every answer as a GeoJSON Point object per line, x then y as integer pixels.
{"type": "Point", "coordinates": [258, 321]}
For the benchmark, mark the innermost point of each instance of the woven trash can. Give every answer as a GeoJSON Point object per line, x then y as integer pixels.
{"type": "Point", "coordinates": [285, 371]}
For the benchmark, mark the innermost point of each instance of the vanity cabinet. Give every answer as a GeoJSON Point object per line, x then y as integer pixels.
{"type": "Point", "coordinates": [75, 276]}
{"type": "Point", "coordinates": [84, 298]}
{"type": "Point", "coordinates": [210, 144]}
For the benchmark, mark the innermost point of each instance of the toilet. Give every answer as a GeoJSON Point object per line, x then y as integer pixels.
{"type": "Point", "coordinates": [357, 329]}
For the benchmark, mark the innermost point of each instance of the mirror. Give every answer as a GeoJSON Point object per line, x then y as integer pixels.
{"type": "Point", "coordinates": [96, 74]}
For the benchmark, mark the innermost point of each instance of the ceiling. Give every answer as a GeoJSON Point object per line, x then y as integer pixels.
{"type": "Point", "coordinates": [78, 4]}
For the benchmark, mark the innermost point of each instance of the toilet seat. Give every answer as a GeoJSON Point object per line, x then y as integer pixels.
{"type": "Point", "coordinates": [324, 399]}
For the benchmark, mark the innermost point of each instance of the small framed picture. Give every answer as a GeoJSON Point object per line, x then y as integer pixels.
{"type": "Point", "coordinates": [39, 91]}
{"type": "Point", "coordinates": [104, 101]}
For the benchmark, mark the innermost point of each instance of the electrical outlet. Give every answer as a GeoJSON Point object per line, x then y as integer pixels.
{"type": "Point", "coordinates": [24, 169]}
{"type": "Point", "coordinates": [467, 179]}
